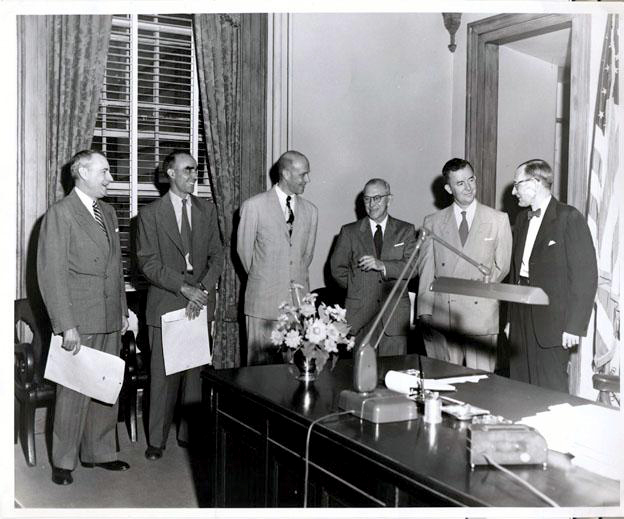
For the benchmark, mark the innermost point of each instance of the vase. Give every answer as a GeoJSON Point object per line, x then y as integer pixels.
{"type": "Point", "coordinates": [304, 398]}
{"type": "Point", "coordinates": [306, 367]}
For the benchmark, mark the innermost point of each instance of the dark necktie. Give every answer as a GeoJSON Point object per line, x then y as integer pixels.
{"type": "Point", "coordinates": [98, 218]}
{"type": "Point", "coordinates": [291, 216]}
{"type": "Point", "coordinates": [185, 233]}
{"type": "Point", "coordinates": [537, 213]}
{"type": "Point", "coordinates": [378, 239]}
{"type": "Point", "coordinates": [463, 229]}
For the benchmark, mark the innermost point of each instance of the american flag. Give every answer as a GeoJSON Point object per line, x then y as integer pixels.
{"type": "Point", "coordinates": [606, 189]}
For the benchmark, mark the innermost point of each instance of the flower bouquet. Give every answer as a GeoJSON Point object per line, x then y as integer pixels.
{"type": "Point", "coordinates": [311, 336]}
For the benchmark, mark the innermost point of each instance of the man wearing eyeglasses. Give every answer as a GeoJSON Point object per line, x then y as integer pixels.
{"type": "Point", "coordinates": [553, 250]}
{"type": "Point", "coordinates": [368, 257]}
{"type": "Point", "coordinates": [462, 329]}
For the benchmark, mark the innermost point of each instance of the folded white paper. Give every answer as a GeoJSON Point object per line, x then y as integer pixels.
{"type": "Point", "coordinates": [186, 343]}
{"type": "Point", "coordinates": [402, 382]}
{"type": "Point", "coordinates": [93, 373]}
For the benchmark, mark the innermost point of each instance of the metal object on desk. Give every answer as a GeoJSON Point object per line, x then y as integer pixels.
{"type": "Point", "coordinates": [506, 444]}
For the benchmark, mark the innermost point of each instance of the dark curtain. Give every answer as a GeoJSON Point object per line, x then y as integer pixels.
{"type": "Point", "coordinates": [231, 64]}
{"type": "Point", "coordinates": [77, 60]}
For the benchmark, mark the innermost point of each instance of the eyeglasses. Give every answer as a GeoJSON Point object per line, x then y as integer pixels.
{"type": "Point", "coordinates": [516, 184]}
{"type": "Point", "coordinates": [376, 198]}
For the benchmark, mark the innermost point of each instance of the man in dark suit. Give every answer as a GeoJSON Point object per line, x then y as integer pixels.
{"type": "Point", "coordinates": [81, 281]}
{"type": "Point", "coordinates": [179, 251]}
{"type": "Point", "coordinates": [368, 257]}
{"type": "Point", "coordinates": [553, 250]}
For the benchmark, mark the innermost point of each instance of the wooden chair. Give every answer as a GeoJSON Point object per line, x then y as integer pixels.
{"type": "Point", "coordinates": [31, 389]}
{"type": "Point", "coordinates": [608, 387]}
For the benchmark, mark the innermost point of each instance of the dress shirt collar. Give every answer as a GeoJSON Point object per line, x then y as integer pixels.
{"type": "Point", "coordinates": [282, 198]}
{"type": "Point", "coordinates": [177, 200]}
{"type": "Point", "coordinates": [86, 200]}
{"type": "Point", "coordinates": [470, 213]}
{"type": "Point", "coordinates": [374, 224]}
{"type": "Point", "coordinates": [543, 206]}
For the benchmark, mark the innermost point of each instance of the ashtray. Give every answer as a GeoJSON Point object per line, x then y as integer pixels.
{"type": "Point", "coordinates": [464, 411]}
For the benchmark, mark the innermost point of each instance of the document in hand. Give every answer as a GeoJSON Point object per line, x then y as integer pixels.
{"type": "Point", "coordinates": [186, 343]}
{"type": "Point", "coordinates": [93, 373]}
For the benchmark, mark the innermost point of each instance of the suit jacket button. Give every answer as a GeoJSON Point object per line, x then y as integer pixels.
{"type": "Point", "coordinates": [443, 264]}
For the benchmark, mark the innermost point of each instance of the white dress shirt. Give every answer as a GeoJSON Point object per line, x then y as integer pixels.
{"type": "Point", "coordinates": [374, 224]}
{"type": "Point", "coordinates": [470, 213]}
{"type": "Point", "coordinates": [281, 196]}
{"type": "Point", "coordinates": [176, 201]}
{"type": "Point", "coordinates": [86, 200]}
{"type": "Point", "coordinates": [534, 225]}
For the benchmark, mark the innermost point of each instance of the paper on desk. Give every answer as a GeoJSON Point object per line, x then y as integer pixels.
{"type": "Point", "coordinates": [186, 343]}
{"type": "Point", "coordinates": [91, 372]}
{"type": "Point", "coordinates": [403, 382]}
{"type": "Point", "coordinates": [461, 380]}
{"type": "Point", "coordinates": [591, 433]}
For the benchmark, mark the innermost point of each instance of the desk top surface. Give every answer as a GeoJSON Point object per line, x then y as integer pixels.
{"type": "Point", "coordinates": [435, 455]}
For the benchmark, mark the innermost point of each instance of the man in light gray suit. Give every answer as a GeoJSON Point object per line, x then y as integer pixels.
{"type": "Point", "coordinates": [81, 281]}
{"type": "Point", "coordinates": [276, 238]}
{"type": "Point", "coordinates": [462, 328]}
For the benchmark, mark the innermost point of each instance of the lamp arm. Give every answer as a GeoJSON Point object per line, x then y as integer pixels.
{"type": "Point", "coordinates": [486, 271]}
{"type": "Point", "coordinates": [390, 297]}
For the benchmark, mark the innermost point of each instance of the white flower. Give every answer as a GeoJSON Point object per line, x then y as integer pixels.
{"type": "Point", "coordinates": [277, 337]}
{"type": "Point", "coordinates": [330, 346]}
{"type": "Point", "coordinates": [350, 343]}
{"type": "Point", "coordinates": [332, 333]}
{"type": "Point", "coordinates": [283, 318]}
{"type": "Point", "coordinates": [293, 339]}
{"type": "Point", "coordinates": [307, 309]}
{"type": "Point", "coordinates": [340, 314]}
{"type": "Point", "coordinates": [316, 332]}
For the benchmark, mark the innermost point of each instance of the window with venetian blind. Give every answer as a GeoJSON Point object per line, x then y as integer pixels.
{"type": "Point", "coordinates": [149, 107]}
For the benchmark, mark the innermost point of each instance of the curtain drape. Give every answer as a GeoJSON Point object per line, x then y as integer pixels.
{"type": "Point", "coordinates": [77, 61]}
{"type": "Point", "coordinates": [231, 65]}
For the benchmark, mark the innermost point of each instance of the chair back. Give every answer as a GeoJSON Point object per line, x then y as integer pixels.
{"type": "Point", "coordinates": [41, 329]}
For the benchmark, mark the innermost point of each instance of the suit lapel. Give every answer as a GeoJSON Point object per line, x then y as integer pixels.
{"type": "Point", "coordinates": [276, 211]}
{"type": "Point", "coordinates": [389, 237]}
{"type": "Point", "coordinates": [88, 223]}
{"type": "Point", "coordinates": [198, 227]}
{"type": "Point", "coordinates": [450, 233]}
{"type": "Point", "coordinates": [167, 220]}
{"type": "Point", "coordinates": [366, 237]}
{"type": "Point", "coordinates": [544, 231]}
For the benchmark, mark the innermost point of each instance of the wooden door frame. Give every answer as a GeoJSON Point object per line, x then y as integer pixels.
{"type": "Point", "coordinates": [484, 38]}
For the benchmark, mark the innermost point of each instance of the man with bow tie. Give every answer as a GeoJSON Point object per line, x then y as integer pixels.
{"type": "Point", "coordinates": [275, 243]}
{"type": "Point", "coordinates": [456, 328]}
{"type": "Point", "coordinates": [553, 250]}
{"type": "Point", "coordinates": [367, 260]}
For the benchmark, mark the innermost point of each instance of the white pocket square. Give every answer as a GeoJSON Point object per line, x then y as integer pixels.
{"type": "Point", "coordinates": [552, 242]}
{"type": "Point", "coordinates": [117, 229]}
{"type": "Point", "coordinates": [399, 244]}
{"type": "Point", "coordinates": [489, 238]}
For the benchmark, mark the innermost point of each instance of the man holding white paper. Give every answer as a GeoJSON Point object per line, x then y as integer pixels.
{"type": "Point", "coordinates": [179, 251]}
{"type": "Point", "coordinates": [81, 281]}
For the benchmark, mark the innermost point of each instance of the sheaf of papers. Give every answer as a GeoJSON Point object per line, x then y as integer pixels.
{"type": "Point", "coordinates": [93, 373]}
{"type": "Point", "coordinates": [591, 433]}
{"type": "Point", "coordinates": [402, 382]}
{"type": "Point", "coordinates": [186, 343]}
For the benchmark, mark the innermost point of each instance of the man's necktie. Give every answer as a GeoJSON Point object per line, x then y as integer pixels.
{"type": "Point", "coordinates": [378, 239]}
{"type": "Point", "coordinates": [463, 229]}
{"type": "Point", "coordinates": [98, 217]}
{"type": "Point", "coordinates": [290, 216]}
{"type": "Point", "coordinates": [537, 213]}
{"type": "Point", "coordinates": [185, 232]}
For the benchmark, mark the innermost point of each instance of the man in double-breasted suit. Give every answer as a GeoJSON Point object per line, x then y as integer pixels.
{"type": "Point", "coordinates": [179, 251]}
{"type": "Point", "coordinates": [460, 328]}
{"type": "Point", "coordinates": [553, 250]}
{"type": "Point", "coordinates": [368, 258]}
{"type": "Point", "coordinates": [275, 243]}
{"type": "Point", "coordinates": [81, 281]}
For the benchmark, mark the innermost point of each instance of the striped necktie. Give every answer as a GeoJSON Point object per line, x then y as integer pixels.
{"type": "Point", "coordinates": [98, 217]}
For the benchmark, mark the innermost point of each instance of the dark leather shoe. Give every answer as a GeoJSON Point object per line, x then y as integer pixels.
{"type": "Point", "coordinates": [183, 444]}
{"type": "Point", "coordinates": [153, 453]}
{"type": "Point", "coordinates": [62, 476]}
{"type": "Point", "coordinates": [107, 465]}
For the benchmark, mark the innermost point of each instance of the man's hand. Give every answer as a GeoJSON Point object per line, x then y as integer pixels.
{"type": "Point", "coordinates": [367, 263]}
{"type": "Point", "coordinates": [192, 310]}
{"type": "Point", "coordinates": [569, 340]}
{"type": "Point", "coordinates": [425, 326]}
{"type": "Point", "coordinates": [124, 324]}
{"type": "Point", "coordinates": [71, 340]}
{"type": "Point", "coordinates": [194, 294]}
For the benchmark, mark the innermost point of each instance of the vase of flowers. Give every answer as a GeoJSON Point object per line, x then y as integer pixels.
{"type": "Point", "coordinates": [310, 336]}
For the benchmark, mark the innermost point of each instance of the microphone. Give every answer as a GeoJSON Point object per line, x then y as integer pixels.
{"type": "Point", "coordinates": [365, 401]}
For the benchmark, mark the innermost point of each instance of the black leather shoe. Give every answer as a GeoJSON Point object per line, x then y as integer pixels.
{"type": "Point", "coordinates": [62, 476]}
{"type": "Point", "coordinates": [107, 465]}
{"type": "Point", "coordinates": [183, 444]}
{"type": "Point", "coordinates": [153, 453]}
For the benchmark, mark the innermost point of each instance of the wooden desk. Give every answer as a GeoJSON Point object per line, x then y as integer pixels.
{"type": "Point", "coordinates": [259, 418]}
